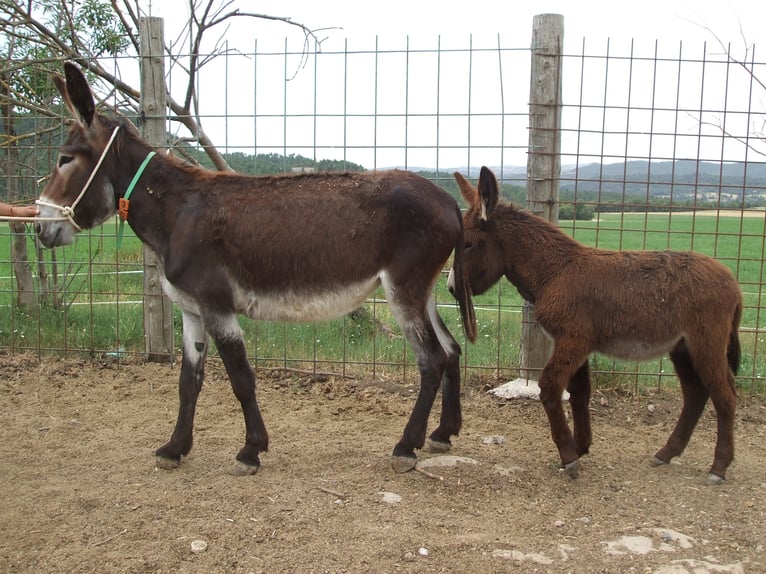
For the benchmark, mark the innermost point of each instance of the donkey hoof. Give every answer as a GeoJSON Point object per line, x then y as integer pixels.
{"type": "Point", "coordinates": [573, 468]}
{"type": "Point", "coordinates": [437, 446]}
{"type": "Point", "coordinates": [243, 469]}
{"type": "Point", "coordinates": [165, 463]}
{"type": "Point", "coordinates": [714, 480]}
{"type": "Point", "coordinates": [656, 461]}
{"type": "Point", "coordinates": [402, 464]}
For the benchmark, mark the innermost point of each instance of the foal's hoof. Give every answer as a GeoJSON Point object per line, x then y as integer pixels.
{"type": "Point", "coordinates": [573, 468]}
{"type": "Point", "coordinates": [243, 469]}
{"type": "Point", "coordinates": [402, 464]}
{"type": "Point", "coordinates": [437, 446]}
{"type": "Point", "coordinates": [658, 462]}
{"type": "Point", "coordinates": [166, 463]}
{"type": "Point", "coordinates": [714, 480]}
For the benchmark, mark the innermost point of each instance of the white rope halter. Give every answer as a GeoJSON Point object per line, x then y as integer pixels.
{"type": "Point", "coordinates": [67, 211]}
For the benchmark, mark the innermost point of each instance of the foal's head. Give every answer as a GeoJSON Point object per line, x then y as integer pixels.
{"type": "Point", "coordinates": [71, 201]}
{"type": "Point", "coordinates": [484, 260]}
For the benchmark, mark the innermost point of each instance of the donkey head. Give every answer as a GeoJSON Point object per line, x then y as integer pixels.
{"type": "Point", "coordinates": [79, 194]}
{"type": "Point", "coordinates": [484, 258]}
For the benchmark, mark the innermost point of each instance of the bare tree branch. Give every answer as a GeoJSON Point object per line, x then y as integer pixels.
{"type": "Point", "coordinates": [746, 141]}
{"type": "Point", "coordinates": [749, 68]}
{"type": "Point", "coordinates": [62, 40]}
{"type": "Point", "coordinates": [129, 26]}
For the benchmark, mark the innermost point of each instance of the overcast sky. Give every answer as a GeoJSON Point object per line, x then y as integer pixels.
{"type": "Point", "coordinates": [636, 28]}
{"type": "Point", "coordinates": [645, 19]}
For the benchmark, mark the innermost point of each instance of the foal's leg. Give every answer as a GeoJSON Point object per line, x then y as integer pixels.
{"type": "Point", "coordinates": [231, 346]}
{"type": "Point", "coordinates": [724, 399]}
{"type": "Point", "coordinates": [451, 416]}
{"type": "Point", "coordinates": [567, 358]}
{"type": "Point", "coordinates": [579, 400]}
{"type": "Point", "coordinates": [715, 373]}
{"type": "Point", "coordinates": [695, 395]}
{"type": "Point", "coordinates": [189, 385]}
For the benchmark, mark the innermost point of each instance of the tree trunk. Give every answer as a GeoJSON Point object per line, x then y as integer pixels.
{"type": "Point", "coordinates": [25, 292]}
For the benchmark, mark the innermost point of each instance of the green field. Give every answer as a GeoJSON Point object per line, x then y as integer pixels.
{"type": "Point", "coordinates": [100, 312]}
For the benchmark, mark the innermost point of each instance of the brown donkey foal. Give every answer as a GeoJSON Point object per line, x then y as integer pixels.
{"type": "Point", "coordinates": [280, 248]}
{"type": "Point", "coordinates": [627, 304]}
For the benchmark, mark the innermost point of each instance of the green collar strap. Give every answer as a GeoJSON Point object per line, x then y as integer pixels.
{"type": "Point", "coordinates": [124, 202]}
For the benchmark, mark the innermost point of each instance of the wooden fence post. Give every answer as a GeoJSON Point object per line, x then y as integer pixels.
{"type": "Point", "coordinates": [158, 309]}
{"type": "Point", "coordinates": [543, 163]}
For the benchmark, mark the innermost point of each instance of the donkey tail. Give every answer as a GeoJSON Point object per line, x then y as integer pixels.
{"type": "Point", "coordinates": [733, 352]}
{"type": "Point", "coordinates": [462, 291]}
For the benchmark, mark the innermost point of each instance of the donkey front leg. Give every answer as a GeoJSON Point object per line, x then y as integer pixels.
{"type": "Point", "coordinates": [195, 347]}
{"type": "Point", "coordinates": [566, 361]}
{"type": "Point", "coordinates": [231, 346]}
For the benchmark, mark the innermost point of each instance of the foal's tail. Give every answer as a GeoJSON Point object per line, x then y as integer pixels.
{"type": "Point", "coordinates": [733, 350]}
{"type": "Point", "coordinates": [462, 291]}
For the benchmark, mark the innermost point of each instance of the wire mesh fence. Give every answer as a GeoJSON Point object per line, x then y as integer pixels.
{"type": "Point", "coordinates": [660, 149]}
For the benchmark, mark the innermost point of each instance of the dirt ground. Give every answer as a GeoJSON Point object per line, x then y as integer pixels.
{"type": "Point", "coordinates": [80, 493]}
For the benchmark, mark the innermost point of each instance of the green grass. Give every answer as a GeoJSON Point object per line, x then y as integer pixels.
{"type": "Point", "coordinates": [101, 315]}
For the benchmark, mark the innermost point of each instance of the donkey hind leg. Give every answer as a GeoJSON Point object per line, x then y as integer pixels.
{"type": "Point", "coordinates": [195, 345]}
{"type": "Point", "coordinates": [231, 346]}
{"type": "Point", "coordinates": [565, 362]}
{"type": "Point", "coordinates": [432, 361]}
{"type": "Point", "coordinates": [695, 395]}
{"type": "Point", "coordinates": [579, 400]}
{"type": "Point", "coordinates": [451, 416]}
{"type": "Point", "coordinates": [724, 400]}
{"type": "Point", "coordinates": [705, 375]}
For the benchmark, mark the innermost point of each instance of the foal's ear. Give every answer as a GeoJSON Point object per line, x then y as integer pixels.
{"type": "Point", "coordinates": [76, 93]}
{"type": "Point", "coordinates": [466, 190]}
{"type": "Point", "coordinates": [488, 192]}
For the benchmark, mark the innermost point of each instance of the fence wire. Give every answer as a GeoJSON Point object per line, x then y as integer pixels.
{"type": "Point", "coordinates": [662, 147]}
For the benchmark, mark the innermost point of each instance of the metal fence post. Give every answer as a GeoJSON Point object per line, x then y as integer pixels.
{"type": "Point", "coordinates": [543, 163]}
{"type": "Point", "coordinates": [158, 309]}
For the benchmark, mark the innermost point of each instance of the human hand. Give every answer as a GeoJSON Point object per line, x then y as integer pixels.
{"type": "Point", "coordinates": [24, 210]}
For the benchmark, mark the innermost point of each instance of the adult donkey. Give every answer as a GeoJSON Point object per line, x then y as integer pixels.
{"type": "Point", "coordinates": [282, 248]}
{"type": "Point", "coordinates": [627, 304]}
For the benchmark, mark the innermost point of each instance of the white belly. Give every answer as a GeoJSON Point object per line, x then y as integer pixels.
{"type": "Point", "coordinates": [303, 307]}
{"type": "Point", "coordinates": [638, 350]}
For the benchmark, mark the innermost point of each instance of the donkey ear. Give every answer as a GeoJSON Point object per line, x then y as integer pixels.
{"type": "Point", "coordinates": [488, 192]}
{"type": "Point", "coordinates": [466, 190]}
{"type": "Point", "coordinates": [76, 93]}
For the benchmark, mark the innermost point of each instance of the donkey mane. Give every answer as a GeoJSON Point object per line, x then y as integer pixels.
{"type": "Point", "coordinates": [522, 232]}
{"type": "Point", "coordinates": [541, 232]}
{"type": "Point", "coordinates": [201, 177]}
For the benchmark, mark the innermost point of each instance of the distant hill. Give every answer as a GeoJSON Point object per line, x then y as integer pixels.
{"type": "Point", "coordinates": [640, 182]}
{"type": "Point", "coordinates": [682, 178]}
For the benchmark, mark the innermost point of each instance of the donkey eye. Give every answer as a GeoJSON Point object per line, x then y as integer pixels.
{"type": "Point", "coordinates": [64, 159]}
{"type": "Point", "coordinates": [469, 245]}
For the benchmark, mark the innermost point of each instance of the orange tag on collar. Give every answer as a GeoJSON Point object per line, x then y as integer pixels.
{"type": "Point", "coordinates": [122, 208]}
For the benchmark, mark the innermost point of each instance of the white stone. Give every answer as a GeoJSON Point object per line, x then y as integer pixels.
{"type": "Point", "coordinates": [447, 460]}
{"type": "Point", "coordinates": [391, 497]}
{"type": "Point", "coordinates": [521, 389]}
